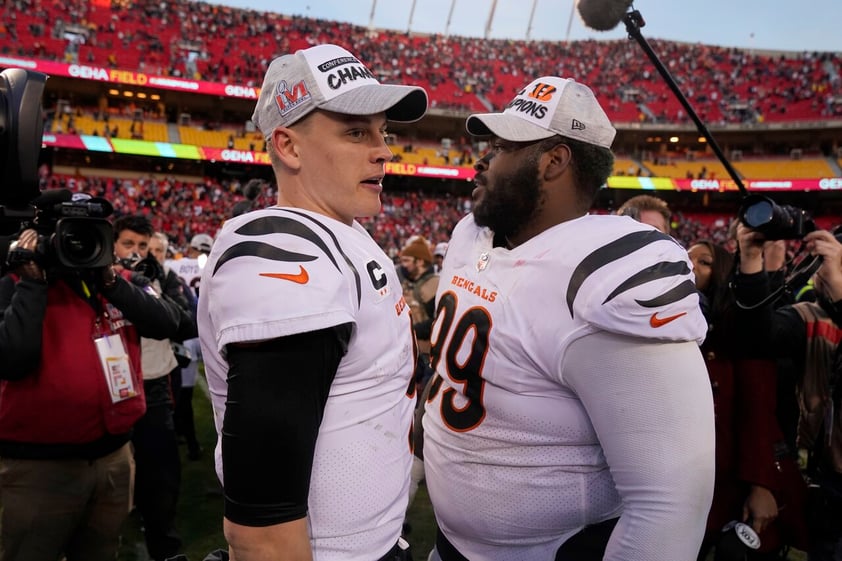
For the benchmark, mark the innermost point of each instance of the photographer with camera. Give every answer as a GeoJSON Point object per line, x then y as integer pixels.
{"type": "Point", "coordinates": [810, 334]}
{"type": "Point", "coordinates": [70, 392]}
{"type": "Point", "coordinates": [158, 477]}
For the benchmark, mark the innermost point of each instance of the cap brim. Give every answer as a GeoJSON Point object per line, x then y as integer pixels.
{"type": "Point", "coordinates": [506, 127]}
{"type": "Point", "coordinates": [403, 104]}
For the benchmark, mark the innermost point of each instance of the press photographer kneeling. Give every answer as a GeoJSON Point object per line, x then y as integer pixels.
{"type": "Point", "coordinates": [71, 385]}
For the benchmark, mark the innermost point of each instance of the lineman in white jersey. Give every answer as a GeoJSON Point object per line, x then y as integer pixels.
{"type": "Point", "coordinates": [571, 415]}
{"type": "Point", "coordinates": [305, 333]}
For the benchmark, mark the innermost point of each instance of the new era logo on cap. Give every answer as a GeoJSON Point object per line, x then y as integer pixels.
{"type": "Point", "coordinates": [546, 107]}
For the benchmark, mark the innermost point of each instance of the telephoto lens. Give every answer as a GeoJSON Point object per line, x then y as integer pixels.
{"type": "Point", "coordinates": [736, 540]}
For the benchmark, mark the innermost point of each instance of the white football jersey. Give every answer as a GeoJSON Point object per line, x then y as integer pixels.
{"type": "Point", "coordinates": [187, 268]}
{"type": "Point", "coordinates": [513, 464]}
{"type": "Point", "coordinates": [282, 271]}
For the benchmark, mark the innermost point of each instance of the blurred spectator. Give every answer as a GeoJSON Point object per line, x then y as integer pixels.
{"type": "Point", "coordinates": [649, 210]}
{"type": "Point", "coordinates": [158, 467]}
{"type": "Point", "coordinates": [251, 191]}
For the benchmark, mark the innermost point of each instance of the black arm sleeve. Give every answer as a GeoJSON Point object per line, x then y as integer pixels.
{"type": "Point", "coordinates": [156, 318]}
{"type": "Point", "coordinates": [277, 393]}
{"type": "Point", "coordinates": [22, 309]}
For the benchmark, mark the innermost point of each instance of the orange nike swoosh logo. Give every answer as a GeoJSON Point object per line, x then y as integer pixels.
{"type": "Point", "coordinates": [655, 321]}
{"type": "Point", "coordinates": [300, 278]}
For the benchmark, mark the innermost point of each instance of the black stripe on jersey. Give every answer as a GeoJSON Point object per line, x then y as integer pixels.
{"type": "Point", "coordinates": [262, 250]}
{"type": "Point", "coordinates": [608, 253]}
{"type": "Point", "coordinates": [675, 294]}
{"type": "Point", "coordinates": [338, 248]}
{"type": "Point", "coordinates": [661, 270]}
{"type": "Point", "coordinates": [282, 225]}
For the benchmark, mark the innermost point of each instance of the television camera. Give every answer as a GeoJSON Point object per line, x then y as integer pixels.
{"type": "Point", "coordinates": [73, 232]}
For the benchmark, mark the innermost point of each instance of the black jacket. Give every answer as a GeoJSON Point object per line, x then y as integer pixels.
{"type": "Point", "coordinates": [23, 304]}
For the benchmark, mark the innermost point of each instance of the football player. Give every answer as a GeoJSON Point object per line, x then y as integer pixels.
{"type": "Point", "coordinates": [571, 415]}
{"type": "Point", "coordinates": [305, 333]}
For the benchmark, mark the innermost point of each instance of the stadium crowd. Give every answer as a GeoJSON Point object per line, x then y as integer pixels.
{"type": "Point", "coordinates": [183, 209]}
{"type": "Point", "coordinates": [196, 40]}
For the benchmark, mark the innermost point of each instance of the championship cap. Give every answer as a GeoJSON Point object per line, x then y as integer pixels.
{"type": "Point", "coordinates": [329, 77]}
{"type": "Point", "coordinates": [202, 242]}
{"type": "Point", "coordinates": [547, 107]}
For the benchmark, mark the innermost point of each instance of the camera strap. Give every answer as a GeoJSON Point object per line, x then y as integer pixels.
{"type": "Point", "coordinates": [799, 274]}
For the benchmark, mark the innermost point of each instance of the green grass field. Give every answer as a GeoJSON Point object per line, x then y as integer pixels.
{"type": "Point", "coordinates": [200, 506]}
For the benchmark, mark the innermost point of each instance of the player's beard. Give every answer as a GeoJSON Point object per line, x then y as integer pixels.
{"type": "Point", "coordinates": [510, 200]}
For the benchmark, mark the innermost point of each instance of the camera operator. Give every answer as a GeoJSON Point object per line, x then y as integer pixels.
{"type": "Point", "coordinates": [70, 392]}
{"type": "Point", "coordinates": [809, 333]}
{"type": "Point", "coordinates": [158, 476]}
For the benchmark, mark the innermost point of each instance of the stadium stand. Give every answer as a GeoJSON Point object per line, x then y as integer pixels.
{"type": "Point", "coordinates": [759, 104]}
{"type": "Point", "coordinates": [728, 87]}
{"type": "Point", "coordinates": [230, 45]}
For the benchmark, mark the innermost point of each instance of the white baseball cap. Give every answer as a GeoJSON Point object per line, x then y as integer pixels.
{"type": "Point", "coordinates": [202, 242]}
{"type": "Point", "coordinates": [546, 107]}
{"type": "Point", "coordinates": [331, 78]}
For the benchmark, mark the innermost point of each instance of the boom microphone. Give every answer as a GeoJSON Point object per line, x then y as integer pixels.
{"type": "Point", "coordinates": [603, 15]}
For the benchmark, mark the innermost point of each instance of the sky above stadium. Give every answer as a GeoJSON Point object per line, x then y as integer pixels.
{"type": "Point", "coordinates": [809, 25]}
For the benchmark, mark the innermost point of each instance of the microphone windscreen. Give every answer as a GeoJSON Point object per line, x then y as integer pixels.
{"type": "Point", "coordinates": [603, 15]}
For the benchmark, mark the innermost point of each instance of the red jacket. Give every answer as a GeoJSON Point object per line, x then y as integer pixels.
{"type": "Point", "coordinates": [67, 400]}
{"type": "Point", "coordinates": [747, 432]}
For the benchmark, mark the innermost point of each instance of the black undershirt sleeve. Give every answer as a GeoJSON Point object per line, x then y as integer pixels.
{"type": "Point", "coordinates": [277, 391]}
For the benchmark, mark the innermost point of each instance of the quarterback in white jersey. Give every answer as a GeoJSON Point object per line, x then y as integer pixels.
{"type": "Point", "coordinates": [569, 387]}
{"type": "Point", "coordinates": [302, 279]}
{"type": "Point", "coordinates": [306, 336]}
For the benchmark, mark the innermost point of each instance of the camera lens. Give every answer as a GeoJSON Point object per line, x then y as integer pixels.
{"type": "Point", "coordinates": [81, 245]}
{"type": "Point", "coordinates": [759, 213]}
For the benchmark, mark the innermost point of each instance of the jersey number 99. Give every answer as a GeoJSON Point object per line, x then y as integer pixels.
{"type": "Point", "coordinates": [462, 345]}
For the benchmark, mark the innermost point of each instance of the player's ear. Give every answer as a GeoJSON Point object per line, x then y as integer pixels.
{"type": "Point", "coordinates": [284, 143]}
{"type": "Point", "coordinates": [558, 160]}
